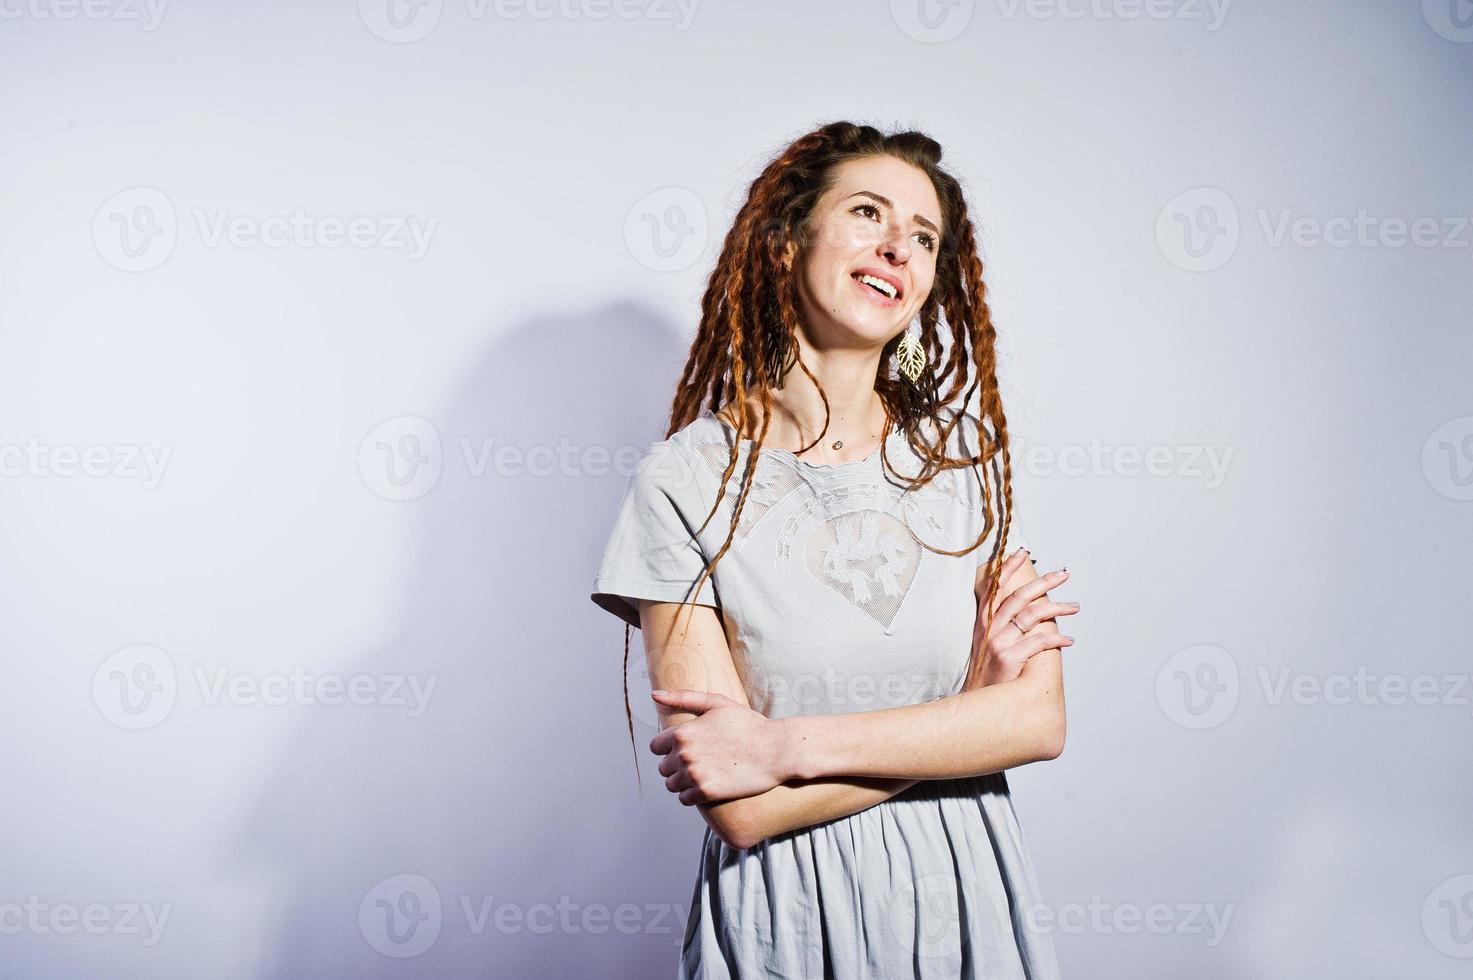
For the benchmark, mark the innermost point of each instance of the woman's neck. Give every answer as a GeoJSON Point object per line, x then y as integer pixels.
{"type": "Point", "coordinates": [857, 424]}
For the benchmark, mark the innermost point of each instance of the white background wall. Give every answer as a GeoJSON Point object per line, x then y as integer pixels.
{"type": "Point", "coordinates": [547, 306]}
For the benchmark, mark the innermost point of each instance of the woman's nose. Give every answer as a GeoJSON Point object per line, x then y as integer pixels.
{"type": "Point", "coordinates": [895, 246]}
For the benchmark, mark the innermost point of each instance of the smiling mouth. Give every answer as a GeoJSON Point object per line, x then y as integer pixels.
{"type": "Point", "coordinates": [883, 290]}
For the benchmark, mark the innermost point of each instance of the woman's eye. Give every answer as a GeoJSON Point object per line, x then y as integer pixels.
{"type": "Point", "coordinates": [927, 239]}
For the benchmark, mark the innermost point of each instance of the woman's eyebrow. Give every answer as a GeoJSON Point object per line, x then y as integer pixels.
{"type": "Point", "coordinates": [920, 220]}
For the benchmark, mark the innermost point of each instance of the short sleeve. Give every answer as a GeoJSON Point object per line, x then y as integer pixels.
{"type": "Point", "coordinates": [652, 552]}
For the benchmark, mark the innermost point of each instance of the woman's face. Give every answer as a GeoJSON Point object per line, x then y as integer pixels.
{"type": "Point", "coordinates": [880, 218]}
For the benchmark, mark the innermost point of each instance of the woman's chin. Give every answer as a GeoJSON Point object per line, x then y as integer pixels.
{"type": "Point", "coordinates": [862, 328]}
{"type": "Point", "coordinates": [871, 334]}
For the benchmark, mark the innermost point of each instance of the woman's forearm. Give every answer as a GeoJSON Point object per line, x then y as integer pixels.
{"type": "Point", "coordinates": [971, 733]}
{"type": "Point", "coordinates": [1022, 730]}
{"type": "Point", "coordinates": [797, 804]}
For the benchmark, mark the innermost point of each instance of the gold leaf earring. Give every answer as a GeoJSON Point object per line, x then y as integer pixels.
{"type": "Point", "coordinates": [910, 357]}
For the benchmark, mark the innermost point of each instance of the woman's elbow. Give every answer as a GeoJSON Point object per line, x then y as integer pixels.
{"type": "Point", "coordinates": [728, 822]}
{"type": "Point", "coordinates": [734, 838]}
{"type": "Point", "coordinates": [1052, 728]}
{"type": "Point", "coordinates": [1051, 742]}
{"type": "Point", "coordinates": [1044, 680]}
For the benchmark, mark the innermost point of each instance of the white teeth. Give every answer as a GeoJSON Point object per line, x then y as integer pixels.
{"type": "Point", "coordinates": [878, 282]}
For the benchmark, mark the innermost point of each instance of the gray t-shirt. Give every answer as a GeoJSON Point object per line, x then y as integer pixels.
{"type": "Point", "coordinates": [831, 605]}
{"type": "Point", "coordinates": [829, 602]}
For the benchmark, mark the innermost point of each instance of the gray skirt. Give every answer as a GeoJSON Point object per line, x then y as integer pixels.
{"type": "Point", "coordinates": [933, 883]}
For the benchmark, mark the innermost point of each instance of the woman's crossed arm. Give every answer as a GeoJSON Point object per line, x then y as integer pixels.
{"type": "Point", "coordinates": [753, 777]}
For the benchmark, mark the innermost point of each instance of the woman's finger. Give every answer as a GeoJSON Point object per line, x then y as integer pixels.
{"type": "Point", "coordinates": [1036, 587]}
{"type": "Point", "coordinates": [1010, 565]}
{"type": "Point", "coordinates": [1008, 664]}
{"type": "Point", "coordinates": [1039, 642]}
{"type": "Point", "coordinates": [1026, 646]}
{"type": "Point", "coordinates": [1020, 597]}
{"type": "Point", "coordinates": [1034, 613]}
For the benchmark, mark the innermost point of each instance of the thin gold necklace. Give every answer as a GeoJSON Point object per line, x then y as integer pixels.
{"type": "Point", "coordinates": [884, 430]}
{"type": "Point", "coordinates": [839, 443]}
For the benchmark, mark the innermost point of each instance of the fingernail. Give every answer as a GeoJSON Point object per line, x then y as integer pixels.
{"type": "Point", "coordinates": [658, 691]}
{"type": "Point", "coordinates": [1074, 604]}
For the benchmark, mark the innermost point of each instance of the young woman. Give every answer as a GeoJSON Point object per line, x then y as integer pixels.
{"type": "Point", "coordinates": [848, 644]}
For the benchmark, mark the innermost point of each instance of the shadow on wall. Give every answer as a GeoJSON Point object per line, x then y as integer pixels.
{"type": "Point", "coordinates": [509, 805]}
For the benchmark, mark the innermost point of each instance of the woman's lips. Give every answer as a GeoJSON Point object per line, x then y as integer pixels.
{"type": "Point", "coordinates": [874, 294]}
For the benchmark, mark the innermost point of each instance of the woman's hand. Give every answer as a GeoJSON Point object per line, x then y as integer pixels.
{"type": "Point", "coordinates": [1000, 656]}
{"type": "Point", "coordinates": [727, 753]}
